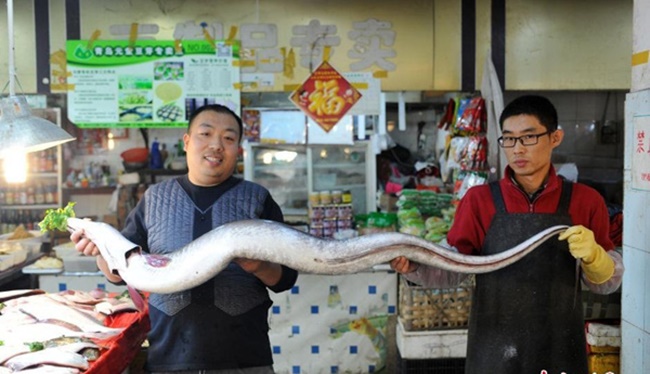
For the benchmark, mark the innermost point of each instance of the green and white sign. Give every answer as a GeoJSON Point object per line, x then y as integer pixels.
{"type": "Point", "coordinates": [149, 83]}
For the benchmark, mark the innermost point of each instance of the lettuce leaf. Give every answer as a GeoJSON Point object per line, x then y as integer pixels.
{"type": "Point", "coordinates": [57, 219]}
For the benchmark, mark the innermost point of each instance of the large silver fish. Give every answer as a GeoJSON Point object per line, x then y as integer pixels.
{"type": "Point", "coordinates": [206, 256]}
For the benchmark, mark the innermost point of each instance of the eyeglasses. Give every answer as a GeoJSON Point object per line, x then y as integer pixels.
{"type": "Point", "coordinates": [526, 140]}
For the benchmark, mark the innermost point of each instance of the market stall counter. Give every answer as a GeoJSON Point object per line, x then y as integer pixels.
{"type": "Point", "coordinates": [39, 329]}
{"type": "Point", "coordinates": [122, 349]}
{"type": "Point", "coordinates": [335, 323]}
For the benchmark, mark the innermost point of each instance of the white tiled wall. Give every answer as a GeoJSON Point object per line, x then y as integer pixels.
{"type": "Point", "coordinates": [635, 356]}
{"type": "Point", "coordinates": [582, 115]}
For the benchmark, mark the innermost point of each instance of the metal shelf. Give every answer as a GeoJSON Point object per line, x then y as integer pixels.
{"type": "Point", "coordinates": [32, 207]}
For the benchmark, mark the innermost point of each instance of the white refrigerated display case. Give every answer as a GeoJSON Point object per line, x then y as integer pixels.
{"type": "Point", "coordinates": [292, 172]}
{"type": "Point", "coordinates": [282, 169]}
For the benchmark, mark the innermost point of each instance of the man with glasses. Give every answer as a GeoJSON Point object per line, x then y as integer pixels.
{"type": "Point", "coordinates": [528, 317]}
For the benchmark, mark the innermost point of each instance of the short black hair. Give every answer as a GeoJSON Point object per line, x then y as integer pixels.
{"type": "Point", "coordinates": [218, 108]}
{"type": "Point", "coordinates": [532, 105]}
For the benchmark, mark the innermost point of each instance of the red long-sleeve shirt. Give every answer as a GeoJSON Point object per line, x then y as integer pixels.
{"type": "Point", "coordinates": [476, 209]}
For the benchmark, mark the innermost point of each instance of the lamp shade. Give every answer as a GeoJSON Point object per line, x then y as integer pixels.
{"type": "Point", "coordinates": [19, 129]}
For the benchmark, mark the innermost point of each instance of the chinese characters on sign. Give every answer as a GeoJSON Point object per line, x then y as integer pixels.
{"type": "Point", "coordinates": [369, 36]}
{"type": "Point", "coordinates": [262, 53]}
{"type": "Point", "coordinates": [312, 40]}
{"type": "Point", "coordinates": [325, 96]}
{"type": "Point", "coordinates": [641, 156]}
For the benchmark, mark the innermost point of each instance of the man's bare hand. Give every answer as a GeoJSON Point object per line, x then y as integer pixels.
{"type": "Point", "coordinates": [402, 265]}
{"type": "Point", "coordinates": [83, 244]}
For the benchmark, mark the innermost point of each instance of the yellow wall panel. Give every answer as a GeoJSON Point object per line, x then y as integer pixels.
{"type": "Point", "coordinates": [57, 45]}
{"type": "Point", "coordinates": [447, 41]}
{"type": "Point", "coordinates": [25, 44]}
{"type": "Point", "coordinates": [578, 44]}
{"type": "Point", "coordinates": [412, 21]}
{"type": "Point", "coordinates": [483, 37]}
{"type": "Point", "coordinates": [551, 44]}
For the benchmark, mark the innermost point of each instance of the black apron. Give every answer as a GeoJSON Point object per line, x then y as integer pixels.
{"type": "Point", "coordinates": [527, 317]}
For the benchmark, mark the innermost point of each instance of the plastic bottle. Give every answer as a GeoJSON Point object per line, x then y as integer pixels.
{"type": "Point", "coordinates": [155, 160]}
{"type": "Point", "coordinates": [180, 149]}
{"type": "Point", "coordinates": [164, 153]}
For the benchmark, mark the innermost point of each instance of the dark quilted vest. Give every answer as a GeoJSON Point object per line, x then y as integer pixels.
{"type": "Point", "coordinates": [169, 217]}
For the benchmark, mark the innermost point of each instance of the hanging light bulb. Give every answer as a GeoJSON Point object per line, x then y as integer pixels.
{"type": "Point", "coordinates": [111, 141]}
{"type": "Point", "coordinates": [15, 166]}
{"type": "Point", "coordinates": [20, 131]}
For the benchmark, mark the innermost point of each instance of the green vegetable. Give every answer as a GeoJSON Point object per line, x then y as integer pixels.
{"type": "Point", "coordinates": [56, 219]}
{"type": "Point", "coordinates": [35, 346]}
{"type": "Point", "coordinates": [123, 295]}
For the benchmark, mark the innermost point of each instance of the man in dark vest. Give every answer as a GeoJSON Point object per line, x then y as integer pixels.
{"type": "Point", "coordinates": [222, 325]}
{"type": "Point", "coordinates": [527, 318]}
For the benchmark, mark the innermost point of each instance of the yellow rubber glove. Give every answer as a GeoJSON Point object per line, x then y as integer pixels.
{"type": "Point", "coordinates": [595, 261]}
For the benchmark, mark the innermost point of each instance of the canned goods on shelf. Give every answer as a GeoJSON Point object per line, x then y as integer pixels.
{"type": "Point", "coordinates": [346, 197]}
{"type": "Point", "coordinates": [314, 198]}
{"type": "Point", "coordinates": [337, 197]}
{"type": "Point", "coordinates": [325, 197]}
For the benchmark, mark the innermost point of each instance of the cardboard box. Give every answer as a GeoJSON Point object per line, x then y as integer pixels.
{"type": "Point", "coordinates": [111, 219]}
{"type": "Point", "coordinates": [388, 203]}
{"type": "Point", "coordinates": [430, 344]}
{"type": "Point", "coordinates": [604, 363]}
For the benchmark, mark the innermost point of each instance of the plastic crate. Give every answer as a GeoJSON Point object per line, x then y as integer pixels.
{"type": "Point", "coordinates": [434, 366]}
{"type": "Point", "coordinates": [599, 307]}
{"type": "Point", "coordinates": [422, 308]}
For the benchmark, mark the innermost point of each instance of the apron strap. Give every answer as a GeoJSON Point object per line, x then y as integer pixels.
{"type": "Point", "coordinates": [499, 205]}
{"type": "Point", "coordinates": [565, 198]}
{"type": "Point", "coordinates": [563, 206]}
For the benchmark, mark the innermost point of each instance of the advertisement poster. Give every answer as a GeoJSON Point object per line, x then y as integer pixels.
{"type": "Point", "coordinates": [370, 88]}
{"type": "Point", "coordinates": [641, 157]}
{"type": "Point", "coordinates": [149, 83]}
{"type": "Point", "coordinates": [325, 96]}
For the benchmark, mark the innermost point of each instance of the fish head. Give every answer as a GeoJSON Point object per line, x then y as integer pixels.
{"type": "Point", "coordinates": [112, 245]}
